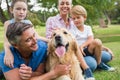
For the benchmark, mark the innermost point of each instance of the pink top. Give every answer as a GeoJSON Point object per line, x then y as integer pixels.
{"type": "Point", "coordinates": [57, 22]}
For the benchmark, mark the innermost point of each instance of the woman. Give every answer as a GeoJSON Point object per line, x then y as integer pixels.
{"type": "Point", "coordinates": [62, 20]}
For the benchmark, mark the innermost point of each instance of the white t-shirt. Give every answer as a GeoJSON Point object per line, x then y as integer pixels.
{"type": "Point", "coordinates": [81, 37]}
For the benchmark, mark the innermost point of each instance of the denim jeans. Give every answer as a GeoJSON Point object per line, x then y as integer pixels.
{"type": "Point", "coordinates": [91, 62]}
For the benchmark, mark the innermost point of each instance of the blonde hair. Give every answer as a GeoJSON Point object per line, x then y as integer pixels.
{"type": "Point", "coordinates": [78, 10]}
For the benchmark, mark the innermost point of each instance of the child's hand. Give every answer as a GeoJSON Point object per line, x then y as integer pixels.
{"type": "Point", "coordinates": [81, 49]}
{"type": "Point", "coordinates": [111, 53]}
{"type": "Point", "coordinates": [8, 60]}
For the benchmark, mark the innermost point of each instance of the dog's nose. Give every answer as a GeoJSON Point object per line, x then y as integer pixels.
{"type": "Point", "coordinates": [58, 38]}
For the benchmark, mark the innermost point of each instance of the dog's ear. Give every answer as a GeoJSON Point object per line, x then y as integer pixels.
{"type": "Point", "coordinates": [76, 47]}
{"type": "Point", "coordinates": [50, 47]}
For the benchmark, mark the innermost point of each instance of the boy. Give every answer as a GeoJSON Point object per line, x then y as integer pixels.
{"type": "Point", "coordinates": [85, 38]}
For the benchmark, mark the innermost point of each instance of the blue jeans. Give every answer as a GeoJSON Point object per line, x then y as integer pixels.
{"type": "Point", "coordinates": [91, 62]}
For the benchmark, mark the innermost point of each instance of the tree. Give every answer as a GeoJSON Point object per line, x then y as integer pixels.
{"type": "Point", "coordinates": [3, 17]}
{"type": "Point", "coordinates": [97, 9]}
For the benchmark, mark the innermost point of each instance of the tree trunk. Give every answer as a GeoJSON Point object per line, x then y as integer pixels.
{"type": "Point", "coordinates": [2, 16]}
{"type": "Point", "coordinates": [8, 9]}
{"type": "Point", "coordinates": [109, 20]}
{"type": "Point", "coordinates": [107, 17]}
{"type": "Point", "coordinates": [102, 23]}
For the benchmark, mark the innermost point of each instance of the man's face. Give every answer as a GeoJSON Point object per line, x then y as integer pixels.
{"type": "Point", "coordinates": [28, 41]}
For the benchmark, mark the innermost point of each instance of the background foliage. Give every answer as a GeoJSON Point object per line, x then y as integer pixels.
{"type": "Point", "coordinates": [107, 10]}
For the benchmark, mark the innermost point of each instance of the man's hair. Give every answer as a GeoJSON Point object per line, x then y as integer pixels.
{"type": "Point", "coordinates": [78, 10]}
{"type": "Point", "coordinates": [15, 30]}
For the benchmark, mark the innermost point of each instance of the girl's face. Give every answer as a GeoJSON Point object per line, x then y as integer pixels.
{"type": "Point", "coordinates": [19, 11]}
{"type": "Point", "coordinates": [78, 20]}
{"type": "Point", "coordinates": [64, 6]}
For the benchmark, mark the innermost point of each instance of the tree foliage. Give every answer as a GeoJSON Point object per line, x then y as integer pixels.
{"type": "Point", "coordinates": [96, 9]}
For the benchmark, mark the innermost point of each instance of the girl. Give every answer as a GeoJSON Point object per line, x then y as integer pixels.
{"type": "Point", "coordinates": [19, 12]}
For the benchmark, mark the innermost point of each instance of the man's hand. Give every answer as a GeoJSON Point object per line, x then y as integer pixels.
{"type": "Point", "coordinates": [25, 72]}
{"type": "Point", "coordinates": [62, 69]}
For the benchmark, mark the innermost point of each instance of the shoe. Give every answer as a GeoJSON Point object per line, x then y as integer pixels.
{"type": "Point", "coordinates": [90, 78]}
{"type": "Point", "coordinates": [111, 69]}
{"type": "Point", "coordinates": [104, 66]}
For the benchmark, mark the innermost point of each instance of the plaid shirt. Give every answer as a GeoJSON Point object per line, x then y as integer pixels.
{"type": "Point", "coordinates": [57, 22]}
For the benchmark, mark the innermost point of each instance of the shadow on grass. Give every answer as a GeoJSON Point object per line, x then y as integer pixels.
{"type": "Point", "coordinates": [108, 39]}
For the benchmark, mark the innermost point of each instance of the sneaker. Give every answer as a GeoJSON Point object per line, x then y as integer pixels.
{"type": "Point", "coordinates": [111, 69]}
{"type": "Point", "coordinates": [104, 66]}
{"type": "Point", "coordinates": [90, 78]}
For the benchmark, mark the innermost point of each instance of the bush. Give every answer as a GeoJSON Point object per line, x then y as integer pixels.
{"type": "Point", "coordinates": [114, 22]}
{"type": "Point", "coordinates": [42, 24]}
{"type": "Point", "coordinates": [1, 24]}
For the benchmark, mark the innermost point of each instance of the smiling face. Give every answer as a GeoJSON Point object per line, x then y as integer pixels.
{"type": "Point", "coordinates": [78, 20]}
{"type": "Point", "coordinates": [78, 14]}
{"type": "Point", "coordinates": [28, 41]}
{"type": "Point", "coordinates": [64, 6]}
{"type": "Point", "coordinates": [19, 10]}
{"type": "Point", "coordinates": [60, 41]}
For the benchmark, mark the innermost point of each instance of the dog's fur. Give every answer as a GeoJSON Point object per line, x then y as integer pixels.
{"type": "Point", "coordinates": [62, 37]}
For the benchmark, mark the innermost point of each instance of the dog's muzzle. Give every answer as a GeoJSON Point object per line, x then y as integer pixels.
{"type": "Point", "coordinates": [60, 47]}
{"type": "Point", "coordinates": [58, 40]}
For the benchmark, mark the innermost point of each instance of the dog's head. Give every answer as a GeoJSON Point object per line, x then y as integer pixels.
{"type": "Point", "coordinates": [61, 40]}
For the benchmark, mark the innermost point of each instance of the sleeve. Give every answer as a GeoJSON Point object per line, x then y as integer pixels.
{"type": "Point", "coordinates": [27, 21]}
{"type": "Point", "coordinates": [49, 27]}
{"type": "Point", "coordinates": [3, 67]}
{"type": "Point", "coordinates": [90, 33]}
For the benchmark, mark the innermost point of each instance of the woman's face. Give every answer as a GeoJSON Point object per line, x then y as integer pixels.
{"type": "Point", "coordinates": [64, 6]}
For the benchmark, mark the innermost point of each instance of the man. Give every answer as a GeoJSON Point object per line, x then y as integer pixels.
{"type": "Point", "coordinates": [29, 55]}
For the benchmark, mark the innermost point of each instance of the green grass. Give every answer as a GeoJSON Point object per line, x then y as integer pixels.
{"type": "Point", "coordinates": [110, 37]}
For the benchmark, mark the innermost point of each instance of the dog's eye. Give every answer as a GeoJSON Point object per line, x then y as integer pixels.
{"type": "Point", "coordinates": [54, 34]}
{"type": "Point", "coordinates": [65, 32]}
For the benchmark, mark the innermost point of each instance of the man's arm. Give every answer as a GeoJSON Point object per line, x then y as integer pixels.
{"type": "Point", "coordinates": [12, 74]}
{"type": "Point", "coordinates": [16, 73]}
{"type": "Point", "coordinates": [57, 71]}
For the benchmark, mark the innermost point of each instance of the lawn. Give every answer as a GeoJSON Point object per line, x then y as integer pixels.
{"type": "Point", "coordinates": [110, 37]}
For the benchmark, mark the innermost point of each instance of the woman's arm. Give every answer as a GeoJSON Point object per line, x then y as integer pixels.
{"type": "Point", "coordinates": [40, 37]}
{"type": "Point", "coordinates": [109, 50]}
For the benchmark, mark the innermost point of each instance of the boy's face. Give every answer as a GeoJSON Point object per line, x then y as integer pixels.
{"type": "Point", "coordinates": [19, 11]}
{"type": "Point", "coordinates": [78, 20]}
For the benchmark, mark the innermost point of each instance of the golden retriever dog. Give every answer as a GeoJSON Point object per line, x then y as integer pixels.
{"type": "Point", "coordinates": [62, 49]}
